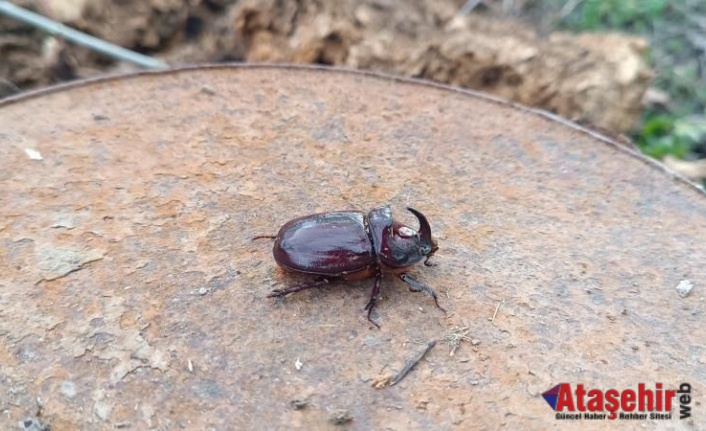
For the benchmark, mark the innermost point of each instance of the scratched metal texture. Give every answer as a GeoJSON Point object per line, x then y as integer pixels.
{"type": "Point", "coordinates": [132, 296]}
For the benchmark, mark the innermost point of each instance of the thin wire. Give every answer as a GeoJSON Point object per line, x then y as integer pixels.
{"type": "Point", "coordinates": [469, 6]}
{"type": "Point", "coordinates": [80, 38]}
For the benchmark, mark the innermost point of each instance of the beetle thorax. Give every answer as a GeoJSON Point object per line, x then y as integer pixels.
{"type": "Point", "coordinates": [400, 246]}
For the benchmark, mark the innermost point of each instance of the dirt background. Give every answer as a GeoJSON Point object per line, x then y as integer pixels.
{"type": "Point", "coordinates": [593, 78]}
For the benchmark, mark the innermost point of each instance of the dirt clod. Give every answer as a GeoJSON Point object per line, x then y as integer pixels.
{"type": "Point", "coordinates": [33, 424]}
{"type": "Point", "coordinates": [298, 404]}
{"type": "Point", "coordinates": [341, 417]}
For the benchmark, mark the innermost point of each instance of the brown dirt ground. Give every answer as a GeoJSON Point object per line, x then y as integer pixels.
{"type": "Point", "coordinates": [593, 78]}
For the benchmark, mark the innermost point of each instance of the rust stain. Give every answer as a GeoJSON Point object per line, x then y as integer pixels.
{"type": "Point", "coordinates": [153, 313]}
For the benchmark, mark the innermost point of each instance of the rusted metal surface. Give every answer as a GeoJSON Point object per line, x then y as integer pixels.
{"type": "Point", "coordinates": [132, 296]}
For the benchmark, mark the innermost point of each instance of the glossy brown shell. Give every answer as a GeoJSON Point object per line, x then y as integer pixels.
{"type": "Point", "coordinates": [334, 244]}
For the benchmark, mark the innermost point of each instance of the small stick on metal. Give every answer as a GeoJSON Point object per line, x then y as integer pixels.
{"type": "Point", "coordinates": [492, 319]}
{"type": "Point", "coordinates": [411, 363]}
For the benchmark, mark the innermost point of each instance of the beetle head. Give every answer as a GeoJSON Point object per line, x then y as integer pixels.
{"type": "Point", "coordinates": [403, 246]}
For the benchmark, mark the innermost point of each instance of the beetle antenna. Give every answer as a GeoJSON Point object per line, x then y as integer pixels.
{"type": "Point", "coordinates": [264, 236]}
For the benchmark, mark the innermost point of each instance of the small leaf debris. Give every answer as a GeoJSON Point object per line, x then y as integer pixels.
{"type": "Point", "coordinates": [684, 288]}
{"type": "Point", "coordinates": [411, 363]}
{"type": "Point", "coordinates": [456, 335]}
{"type": "Point", "coordinates": [381, 381]}
{"type": "Point", "coordinates": [33, 154]}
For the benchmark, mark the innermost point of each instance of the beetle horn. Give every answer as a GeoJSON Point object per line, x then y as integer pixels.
{"type": "Point", "coordinates": [424, 228]}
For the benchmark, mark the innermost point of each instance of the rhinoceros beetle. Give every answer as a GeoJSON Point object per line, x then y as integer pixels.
{"type": "Point", "coordinates": [352, 245]}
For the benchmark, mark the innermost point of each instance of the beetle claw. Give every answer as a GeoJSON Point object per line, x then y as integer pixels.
{"type": "Point", "coordinates": [373, 322]}
{"type": "Point", "coordinates": [374, 295]}
{"type": "Point", "coordinates": [416, 286]}
{"type": "Point", "coordinates": [369, 308]}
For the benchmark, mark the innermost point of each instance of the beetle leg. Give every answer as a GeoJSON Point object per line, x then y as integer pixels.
{"type": "Point", "coordinates": [416, 286]}
{"type": "Point", "coordinates": [281, 293]}
{"type": "Point", "coordinates": [374, 295]}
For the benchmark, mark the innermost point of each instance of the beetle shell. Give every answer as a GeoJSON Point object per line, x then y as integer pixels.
{"type": "Point", "coordinates": [333, 244]}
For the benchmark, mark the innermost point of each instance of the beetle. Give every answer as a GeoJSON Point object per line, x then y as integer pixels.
{"type": "Point", "coordinates": [352, 245]}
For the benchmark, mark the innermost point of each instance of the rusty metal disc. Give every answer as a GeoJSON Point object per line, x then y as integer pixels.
{"type": "Point", "coordinates": [132, 296]}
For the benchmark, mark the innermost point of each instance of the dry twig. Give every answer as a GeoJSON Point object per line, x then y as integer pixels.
{"type": "Point", "coordinates": [455, 336]}
{"type": "Point", "coordinates": [411, 363]}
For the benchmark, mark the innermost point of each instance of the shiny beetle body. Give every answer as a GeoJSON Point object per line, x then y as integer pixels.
{"type": "Point", "coordinates": [353, 245]}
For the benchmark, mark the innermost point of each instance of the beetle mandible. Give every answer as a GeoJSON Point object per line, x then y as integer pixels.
{"type": "Point", "coordinates": [352, 245]}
